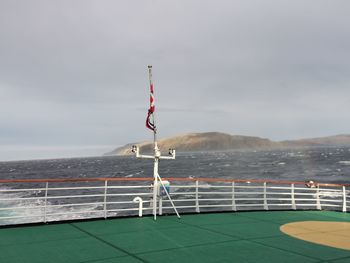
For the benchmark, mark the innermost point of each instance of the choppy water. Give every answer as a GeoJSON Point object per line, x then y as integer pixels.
{"type": "Point", "coordinates": [320, 164]}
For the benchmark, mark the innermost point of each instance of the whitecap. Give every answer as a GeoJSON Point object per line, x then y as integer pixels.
{"type": "Point", "coordinates": [330, 194]}
{"type": "Point", "coordinates": [344, 162]}
{"type": "Point", "coordinates": [204, 185]}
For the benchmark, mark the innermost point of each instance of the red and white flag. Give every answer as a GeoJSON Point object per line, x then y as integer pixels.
{"type": "Point", "coordinates": [150, 119]}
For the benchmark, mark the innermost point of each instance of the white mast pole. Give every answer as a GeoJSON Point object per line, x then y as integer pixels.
{"type": "Point", "coordinates": [157, 155]}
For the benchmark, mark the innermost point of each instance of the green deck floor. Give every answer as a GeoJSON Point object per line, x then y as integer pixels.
{"type": "Point", "coordinates": [221, 237]}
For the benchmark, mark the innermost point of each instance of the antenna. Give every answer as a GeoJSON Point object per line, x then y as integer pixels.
{"type": "Point", "coordinates": [151, 124]}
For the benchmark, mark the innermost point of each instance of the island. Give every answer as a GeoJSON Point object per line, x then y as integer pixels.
{"type": "Point", "coordinates": [217, 141]}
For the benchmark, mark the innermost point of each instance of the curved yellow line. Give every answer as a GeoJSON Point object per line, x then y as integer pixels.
{"type": "Point", "coordinates": [332, 234]}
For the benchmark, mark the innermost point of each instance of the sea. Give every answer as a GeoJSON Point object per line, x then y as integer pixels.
{"type": "Point", "coordinates": [324, 165]}
{"type": "Point", "coordinates": [318, 164]}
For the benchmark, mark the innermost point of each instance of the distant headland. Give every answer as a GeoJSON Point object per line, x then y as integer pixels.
{"type": "Point", "coordinates": [216, 141]}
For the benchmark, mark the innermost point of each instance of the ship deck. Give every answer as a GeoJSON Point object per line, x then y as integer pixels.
{"type": "Point", "coordinates": [214, 237]}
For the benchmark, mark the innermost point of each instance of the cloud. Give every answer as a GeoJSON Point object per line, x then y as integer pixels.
{"type": "Point", "coordinates": [76, 72]}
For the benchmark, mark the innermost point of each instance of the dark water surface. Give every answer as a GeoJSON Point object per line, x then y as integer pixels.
{"type": "Point", "coordinates": [319, 164]}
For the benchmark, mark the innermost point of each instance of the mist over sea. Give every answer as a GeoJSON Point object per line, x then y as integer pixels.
{"type": "Point", "coordinates": [319, 164]}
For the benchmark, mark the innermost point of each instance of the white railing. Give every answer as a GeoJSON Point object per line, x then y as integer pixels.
{"type": "Point", "coordinates": [29, 201]}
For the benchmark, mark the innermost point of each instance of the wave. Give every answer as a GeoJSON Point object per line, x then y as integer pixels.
{"type": "Point", "coordinates": [344, 162]}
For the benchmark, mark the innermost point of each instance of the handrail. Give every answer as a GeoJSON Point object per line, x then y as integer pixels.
{"type": "Point", "coordinates": [73, 180]}
{"type": "Point", "coordinates": [52, 201]}
{"type": "Point", "coordinates": [168, 179]}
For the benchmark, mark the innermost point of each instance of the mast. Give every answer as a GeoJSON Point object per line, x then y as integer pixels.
{"type": "Point", "coordinates": [151, 124]}
{"type": "Point", "coordinates": [152, 104]}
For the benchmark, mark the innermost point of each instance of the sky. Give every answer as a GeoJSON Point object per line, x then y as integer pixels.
{"type": "Point", "coordinates": [74, 79]}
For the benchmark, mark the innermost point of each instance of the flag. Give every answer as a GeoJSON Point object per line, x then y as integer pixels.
{"type": "Point", "coordinates": [150, 121]}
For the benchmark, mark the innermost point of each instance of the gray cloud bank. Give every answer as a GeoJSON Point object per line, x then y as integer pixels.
{"type": "Point", "coordinates": [75, 72]}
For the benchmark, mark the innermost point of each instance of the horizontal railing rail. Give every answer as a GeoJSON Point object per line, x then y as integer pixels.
{"type": "Point", "coordinates": [168, 179]}
{"type": "Point", "coordinates": [45, 200]}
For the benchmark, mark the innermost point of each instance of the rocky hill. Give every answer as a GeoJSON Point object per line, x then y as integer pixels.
{"type": "Point", "coordinates": [210, 141]}
{"type": "Point", "coordinates": [216, 141]}
{"type": "Point", "coordinates": [337, 140]}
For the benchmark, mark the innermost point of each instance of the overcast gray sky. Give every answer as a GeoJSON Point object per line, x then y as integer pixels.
{"type": "Point", "coordinates": [73, 74]}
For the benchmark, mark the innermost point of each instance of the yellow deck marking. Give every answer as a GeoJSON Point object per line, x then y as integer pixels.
{"type": "Point", "coordinates": [333, 234]}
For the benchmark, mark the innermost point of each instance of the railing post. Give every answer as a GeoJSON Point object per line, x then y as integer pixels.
{"type": "Point", "coordinates": [234, 208]}
{"type": "Point", "coordinates": [155, 199]}
{"type": "Point", "coordinates": [197, 198]}
{"type": "Point", "coordinates": [45, 205]}
{"type": "Point", "coordinates": [160, 212]}
{"type": "Point", "coordinates": [294, 207]}
{"type": "Point", "coordinates": [265, 199]}
{"type": "Point", "coordinates": [318, 201]}
{"type": "Point", "coordinates": [105, 200]}
{"type": "Point", "coordinates": [344, 199]}
{"type": "Point", "coordinates": [140, 201]}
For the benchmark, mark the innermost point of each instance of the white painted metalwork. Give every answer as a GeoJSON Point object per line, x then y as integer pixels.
{"type": "Point", "coordinates": [233, 197]}
{"type": "Point", "coordinates": [45, 205]}
{"type": "Point", "coordinates": [197, 198]}
{"type": "Point", "coordinates": [140, 202]}
{"type": "Point", "coordinates": [105, 199]}
{"type": "Point", "coordinates": [265, 199]}
{"type": "Point", "coordinates": [157, 156]}
{"type": "Point", "coordinates": [110, 197]}
{"type": "Point", "coordinates": [318, 201]}
{"type": "Point", "coordinates": [344, 199]}
{"type": "Point", "coordinates": [294, 207]}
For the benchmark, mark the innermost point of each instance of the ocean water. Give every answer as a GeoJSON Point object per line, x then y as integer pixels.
{"type": "Point", "coordinates": [329, 165]}
{"type": "Point", "coordinates": [319, 164]}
